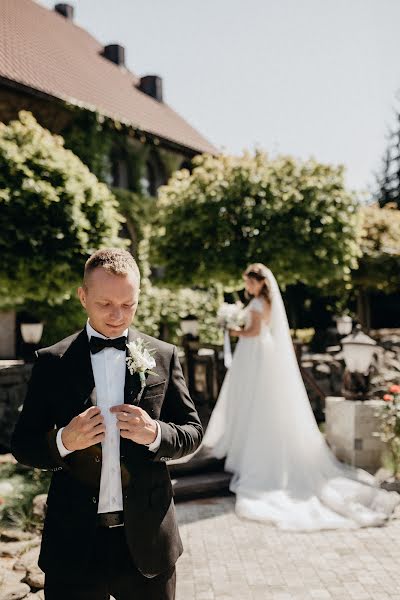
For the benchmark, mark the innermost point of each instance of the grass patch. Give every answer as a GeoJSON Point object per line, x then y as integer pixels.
{"type": "Point", "coordinates": [16, 503]}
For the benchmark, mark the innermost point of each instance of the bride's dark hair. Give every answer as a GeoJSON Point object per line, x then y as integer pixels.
{"type": "Point", "coordinates": [259, 272]}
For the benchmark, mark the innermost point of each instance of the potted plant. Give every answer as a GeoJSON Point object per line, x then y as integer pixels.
{"type": "Point", "coordinates": [389, 433]}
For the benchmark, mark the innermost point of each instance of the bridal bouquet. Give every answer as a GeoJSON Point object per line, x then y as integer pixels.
{"type": "Point", "coordinates": [230, 316]}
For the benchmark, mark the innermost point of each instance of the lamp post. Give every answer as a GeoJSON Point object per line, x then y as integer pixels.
{"type": "Point", "coordinates": [190, 336]}
{"type": "Point", "coordinates": [358, 351]}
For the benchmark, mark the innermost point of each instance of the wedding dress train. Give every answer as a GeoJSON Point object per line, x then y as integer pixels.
{"type": "Point", "coordinates": [283, 470]}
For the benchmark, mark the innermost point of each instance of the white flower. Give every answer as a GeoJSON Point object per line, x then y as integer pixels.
{"type": "Point", "coordinates": [6, 488]}
{"type": "Point", "coordinates": [141, 360]}
{"type": "Point", "coordinates": [230, 316]}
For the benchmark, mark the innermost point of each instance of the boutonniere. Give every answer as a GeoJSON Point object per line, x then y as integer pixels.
{"type": "Point", "coordinates": [140, 360]}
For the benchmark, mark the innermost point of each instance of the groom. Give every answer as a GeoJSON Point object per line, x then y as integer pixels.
{"type": "Point", "coordinates": [110, 524]}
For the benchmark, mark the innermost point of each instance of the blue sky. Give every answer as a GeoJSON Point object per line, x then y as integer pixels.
{"type": "Point", "coordinates": [304, 77]}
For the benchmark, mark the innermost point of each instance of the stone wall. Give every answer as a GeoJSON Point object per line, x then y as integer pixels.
{"type": "Point", "coordinates": [13, 385]}
{"type": "Point", "coordinates": [7, 334]}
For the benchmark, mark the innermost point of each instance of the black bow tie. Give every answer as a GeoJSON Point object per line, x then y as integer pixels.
{"type": "Point", "coordinates": [97, 344]}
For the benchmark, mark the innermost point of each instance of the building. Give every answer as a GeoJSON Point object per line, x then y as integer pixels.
{"type": "Point", "coordinates": [57, 70]}
{"type": "Point", "coordinates": [117, 122]}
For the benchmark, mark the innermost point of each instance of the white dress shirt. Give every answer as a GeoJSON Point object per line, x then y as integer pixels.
{"type": "Point", "coordinates": [109, 368]}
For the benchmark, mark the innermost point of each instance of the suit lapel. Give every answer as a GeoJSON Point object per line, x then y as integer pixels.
{"type": "Point", "coordinates": [80, 370]}
{"type": "Point", "coordinates": [132, 382]}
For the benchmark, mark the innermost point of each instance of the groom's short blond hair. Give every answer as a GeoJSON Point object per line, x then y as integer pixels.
{"type": "Point", "coordinates": [114, 260]}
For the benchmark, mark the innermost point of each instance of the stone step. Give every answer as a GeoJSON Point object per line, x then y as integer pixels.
{"type": "Point", "coordinates": [201, 485]}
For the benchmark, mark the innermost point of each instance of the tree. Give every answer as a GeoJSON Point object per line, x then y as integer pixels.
{"type": "Point", "coordinates": [379, 265]}
{"type": "Point", "coordinates": [53, 214]}
{"type": "Point", "coordinates": [389, 179]}
{"type": "Point", "coordinates": [294, 216]}
{"type": "Point", "coordinates": [163, 308]}
{"type": "Point", "coordinates": [138, 211]}
{"type": "Point", "coordinates": [379, 240]}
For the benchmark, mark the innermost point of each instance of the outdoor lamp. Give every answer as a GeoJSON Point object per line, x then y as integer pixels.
{"type": "Point", "coordinates": [344, 324]}
{"type": "Point", "coordinates": [31, 332]}
{"type": "Point", "coordinates": [190, 326]}
{"type": "Point", "coordinates": [358, 351]}
{"type": "Point", "coordinates": [190, 332]}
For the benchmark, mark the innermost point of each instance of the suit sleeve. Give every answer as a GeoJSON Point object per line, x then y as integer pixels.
{"type": "Point", "coordinates": [33, 441]}
{"type": "Point", "coordinates": [181, 430]}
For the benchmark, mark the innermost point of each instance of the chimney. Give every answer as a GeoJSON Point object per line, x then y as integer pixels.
{"type": "Point", "coordinates": [152, 86]}
{"type": "Point", "coordinates": [115, 53]}
{"type": "Point", "coordinates": [66, 10]}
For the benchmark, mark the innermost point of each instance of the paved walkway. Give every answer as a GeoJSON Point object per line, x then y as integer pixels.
{"type": "Point", "coordinates": [230, 559]}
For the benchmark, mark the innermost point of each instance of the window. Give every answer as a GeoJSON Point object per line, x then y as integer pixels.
{"type": "Point", "coordinates": [120, 174]}
{"type": "Point", "coordinates": [153, 175]}
{"type": "Point", "coordinates": [148, 180]}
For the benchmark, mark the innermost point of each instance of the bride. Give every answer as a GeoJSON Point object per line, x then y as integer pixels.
{"type": "Point", "coordinates": [283, 471]}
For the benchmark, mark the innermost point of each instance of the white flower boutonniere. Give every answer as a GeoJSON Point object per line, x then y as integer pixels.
{"type": "Point", "coordinates": [140, 360]}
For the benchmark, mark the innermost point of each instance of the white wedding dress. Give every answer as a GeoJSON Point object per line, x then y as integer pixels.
{"type": "Point", "coordinates": [283, 471]}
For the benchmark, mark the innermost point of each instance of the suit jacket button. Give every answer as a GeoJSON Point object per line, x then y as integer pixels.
{"type": "Point", "coordinates": [94, 500]}
{"type": "Point", "coordinates": [97, 459]}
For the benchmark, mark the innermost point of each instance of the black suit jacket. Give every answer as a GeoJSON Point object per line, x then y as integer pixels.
{"type": "Point", "coordinates": [60, 388]}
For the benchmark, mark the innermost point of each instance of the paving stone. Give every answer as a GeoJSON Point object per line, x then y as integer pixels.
{"type": "Point", "coordinates": [227, 558]}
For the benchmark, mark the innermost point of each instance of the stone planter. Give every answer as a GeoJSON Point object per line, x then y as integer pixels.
{"type": "Point", "coordinates": [350, 425]}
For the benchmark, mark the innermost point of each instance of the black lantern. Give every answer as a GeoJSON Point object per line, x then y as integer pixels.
{"type": "Point", "coordinates": [31, 333]}
{"type": "Point", "coordinates": [358, 352]}
{"type": "Point", "coordinates": [190, 327]}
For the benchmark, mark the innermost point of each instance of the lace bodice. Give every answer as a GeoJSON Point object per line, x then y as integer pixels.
{"type": "Point", "coordinates": [256, 304]}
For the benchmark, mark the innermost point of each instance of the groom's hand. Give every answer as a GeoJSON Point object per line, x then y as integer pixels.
{"type": "Point", "coordinates": [135, 424]}
{"type": "Point", "coordinates": [85, 430]}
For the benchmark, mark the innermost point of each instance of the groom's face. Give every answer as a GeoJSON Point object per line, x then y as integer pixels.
{"type": "Point", "coordinates": [110, 300]}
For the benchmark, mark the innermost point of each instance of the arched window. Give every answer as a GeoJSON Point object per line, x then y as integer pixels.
{"type": "Point", "coordinates": [148, 180]}
{"type": "Point", "coordinates": [120, 174]}
{"type": "Point", "coordinates": [153, 175]}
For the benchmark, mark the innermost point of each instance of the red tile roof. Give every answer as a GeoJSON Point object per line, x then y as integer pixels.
{"type": "Point", "coordinates": [45, 51]}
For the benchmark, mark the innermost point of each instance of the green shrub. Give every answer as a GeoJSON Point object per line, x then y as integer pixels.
{"type": "Point", "coordinates": [296, 217]}
{"type": "Point", "coordinates": [53, 214]}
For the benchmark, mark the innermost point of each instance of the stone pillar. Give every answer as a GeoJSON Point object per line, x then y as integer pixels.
{"type": "Point", "coordinates": [13, 386]}
{"type": "Point", "coordinates": [350, 425]}
{"type": "Point", "coordinates": [7, 334]}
